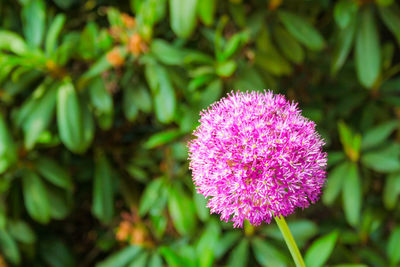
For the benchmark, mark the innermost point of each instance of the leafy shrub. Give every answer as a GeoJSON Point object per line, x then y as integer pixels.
{"type": "Point", "coordinates": [98, 100]}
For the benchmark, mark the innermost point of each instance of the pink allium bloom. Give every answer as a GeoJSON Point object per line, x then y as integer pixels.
{"type": "Point", "coordinates": [255, 157]}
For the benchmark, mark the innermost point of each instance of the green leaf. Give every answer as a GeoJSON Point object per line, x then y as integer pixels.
{"type": "Point", "coordinates": [65, 4]}
{"type": "Point", "coordinates": [69, 117]}
{"type": "Point", "coordinates": [207, 244]}
{"type": "Point", "coordinates": [22, 232]}
{"type": "Point", "coordinates": [336, 179]}
{"type": "Point", "coordinates": [344, 11]}
{"type": "Point", "coordinates": [320, 250]}
{"type": "Point", "coordinates": [171, 257]}
{"type": "Point", "coordinates": [155, 260]}
{"type": "Point", "coordinates": [167, 53]}
{"type": "Point", "coordinates": [35, 197]}
{"type": "Point", "coordinates": [383, 160]}
{"type": "Point", "coordinates": [97, 68]}
{"type": "Point", "coordinates": [161, 138]}
{"type": "Point", "coordinates": [150, 196]}
{"type": "Point", "coordinates": [239, 255]}
{"type": "Point", "coordinates": [344, 42]}
{"type": "Point", "coordinates": [267, 255]}
{"type": "Point", "coordinates": [182, 211]}
{"type": "Point", "coordinates": [8, 153]}
{"type": "Point", "coordinates": [60, 203]}
{"type": "Point", "coordinates": [269, 58]}
{"type": "Point", "coordinates": [201, 206]}
{"type": "Point", "coordinates": [142, 98]}
{"type": "Point", "coordinates": [103, 190]}
{"type": "Point", "coordinates": [378, 134]}
{"type": "Point", "coordinates": [40, 116]}
{"type": "Point", "coordinates": [89, 41]}
{"type": "Point", "coordinates": [55, 253]}
{"type": "Point", "coordinates": [9, 248]}
{"type": "Point", "coordinates": [391, 17]}
{"type": "Point", "coordinates": [53, 33]}
{"type": "Point", "coordinates": [391, 191]}
{"type": "Point", "coordinates": [183, 16]}
{"type": "Point", "coordinates": [234, 44]}
{"type": "Point", "coordinates": [130, 109]}
{"type": "Point", "coordinates": [121, 258]}
{"type": "Point", "coordinates": [140, 260]}
{"type": "Point", "coordinates": [206, 11]}
{"type": "Point", "coordinates": [75, 123]}
{"type": "Point", "coordinates": [393, 246]}
{"type": "Point", "coordinates": [34, 21]}
{"type": "Point", "coordinates": [12, 42]}
{"type": "Point", "coordinates": [226, 241]}
{"type": "Point", "coordinates": [350, 265]}
{"type": "Point", "coordinates": [163, 93]}
{"type": "Point", "coordinates": [212, 93]}
{"type": "Point", "coordinates": [288, 45]}
{"type": "Point", "coordinates": [302, 30]}
{"type": "Point", "coordinates": [102, 102]}
{"type": "Point", "coordinates": [367, 49]}
{"type": "Point", "coordinates": [352, 195]}
{"type": "Point", "coordinates": [226, 68]}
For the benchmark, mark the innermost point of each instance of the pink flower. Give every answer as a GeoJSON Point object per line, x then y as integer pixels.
{"type": "Point", "coordinates": [255, 157]}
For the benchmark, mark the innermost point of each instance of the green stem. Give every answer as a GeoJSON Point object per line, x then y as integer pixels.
{"type": "Point", "coordinates": [287, 235]}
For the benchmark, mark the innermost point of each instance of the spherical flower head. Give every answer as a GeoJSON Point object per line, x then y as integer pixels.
{"type": "Point", "coordinates": [255, 157]}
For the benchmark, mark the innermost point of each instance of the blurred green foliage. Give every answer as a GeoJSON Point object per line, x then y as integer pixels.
{"type": "Point", "coordinates": [98, 99]}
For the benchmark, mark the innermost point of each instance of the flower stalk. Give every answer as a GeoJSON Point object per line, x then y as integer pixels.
{"type": "Point", "coordinates": [290, 242]}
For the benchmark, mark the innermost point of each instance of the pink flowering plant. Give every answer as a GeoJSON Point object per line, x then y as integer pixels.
{"type": "Point", "coordinates": [255, 157]}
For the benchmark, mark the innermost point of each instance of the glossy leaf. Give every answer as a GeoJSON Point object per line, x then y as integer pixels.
{"type": "Point", "coordinates": [206, 11]}
{"type": "Point", "coordinates": [161, 138]}
{"type": "Point", "coordinates": [367, 49]}
{"type": "Point", "coordinates": [140, 260]}
{"type": "Point", "coordinates": [393, 246]}
{"type": "Point", "coordinates": [9, 247]}
{"type": "Point", "coordinates": [150, 195]}
{"type": "Point", "coordinates": [302, 30]}
{"type": "Point", "coordinates": [40, 117]}
{"type": "Point", "coordinates": [54, 173]}
{"type": "Point", "coordinates": [164, 97]}
{"type": "Point", "coordinates": [122, 257]}
{"type": "Point", "coordinates": [12, 42]}
{"type": "Point", "coordinates": [183, 16]}
{"type": "Point", "coordinates": [34, 21]}
{"type": "Point", "coordinates": [289, 45]}
{"type": "Point", "coordinates": [53, 33]}
{"type": "Point", "coordinates": [167, 53]}
{"type": "Point", "coordinates": [391, 17]}
{"type": "Point", "coordinates": [155, 261]}
{"type": "Point", "coordinates": [7, 147]}
{"type": "Point", "coordinates": [239, 255]}
{"type": "Point", "coordinates": [75, 123]}
{"type": "Point", "coordinates": [267, 255]}
{"type": "Point", "coordinates": [343, 46]}
{"type": "Point", "coordinates": [352, 195]}
{"type": "Point", "coordinates": [335, 184]}
{"type": "Point", "coordinates": [383, 160]}
{"type": "Point", "coordinates": [22, 232]}
{"type": "Point", "coordinates": [320, 250]}
{"type": "Point", "coordinates": [182, 211]}
{"type": "Point", "coordinates": [391, 190]}
{"type": "Point", "coordinates": [207, 244]}
{"type": "Point", "coordinates": [103, 190]}
{"type": "Point", "coordinates": [378, 134]}
{"type": "Point", "coordinates": [344, 12]}
{"type": "Point", "coordinates": [35, 197]}
{"type": "Point", "coordinates": [55, 252]}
